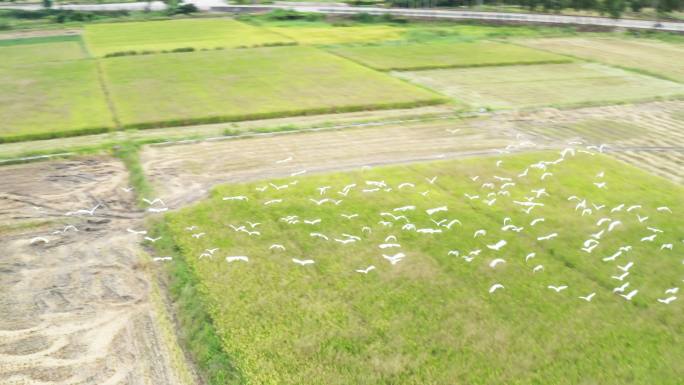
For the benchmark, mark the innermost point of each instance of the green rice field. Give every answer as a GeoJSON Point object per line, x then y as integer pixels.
{"type": "Point", "coordinates": [242, 84]}
{"type": "Point", "coordinates": [431, 316]}
{"type": "Point", "coordinates": [19, 54]}
{"type": "Point", "coordinates": [157, 36]}
{"type": "Point", "coordinates": [573, 84]}
{"type": "Point", "coordinates": [52, 99]}
{"type": "Point", "coordinates": [445, 55]}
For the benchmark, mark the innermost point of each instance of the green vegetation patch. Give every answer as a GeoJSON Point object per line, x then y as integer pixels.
{"type": "Point", "coordinates": [214, 86]}
{"type": "Point", "coordinates": [574, 84]}
{"type": "Point", "coordinates": [51, 100]}
{"type": "Point", "coordinates": [157, 36]}
{"type": "Point", "coordinates": [14, 55]}
{"type": "Point", "coordinates": [430, 318]}
{"type": "Point", "coordinates": [444, 55]}
{"type": "Point", "coordinates": [656, 57]}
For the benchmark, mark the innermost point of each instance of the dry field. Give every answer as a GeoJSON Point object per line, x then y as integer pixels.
{"type": "Point", "coordinates": [77, 309]}
{"type": "Point", "coordinates": [575, 84]}
{"type": "Point", "coordinates": [647, 55]}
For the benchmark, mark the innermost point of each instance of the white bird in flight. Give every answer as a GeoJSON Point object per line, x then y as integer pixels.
{"type": "Point", "coordinates": [621, 289]}
{"type": "Point", "coordinates": [237, 258]}
{"type": "Point", "coordinates": [530, 256]}
{"type": "Point", "coordinates": [497, 246]}
{"type": "Point", "coordinates": [366, 270]}
{"type": "Point", "coordinates": [319, 235]}
{"type": "Point", "coordinates": [621, 277]}
{"type": "Point", "coordinates": [141, 232]}
{"type": "Point", "coordinates": [495, 287]}
{"type": "Point", "coordinates": [495, 262]}
{"type": "Point", "coordinates": [558, 289]}
{"type": "Point", "coordinates": [394, 259]}
{"type": "Point", "coordinates": [538, 268]}
{"type": "Point", "coordinates": [547, 237]}
{"type": "Point", "coordinates": [629, 296]}
{"type": "Point", "coordinates": [479, 233]}
{"type": "Point", "coordinates": [626, 267]}
{"type": "Point", "coordinates": [436, 210]}
{"type": "Point", "coordinates": [38, 239]}
{"type": "Point", "coordinates": [277, 247]}
{"type": "Point", "coordinates": [303, 262]}
{"type": "Point", "coordinates": [236, 198]}
{"type": "Point", "coordinates": [588, 297]}
{"type": "Point", "coordinates": [667, 300]}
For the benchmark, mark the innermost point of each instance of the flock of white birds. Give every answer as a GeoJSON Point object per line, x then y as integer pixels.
{"type": "Point", "coordinates": [493, 190]}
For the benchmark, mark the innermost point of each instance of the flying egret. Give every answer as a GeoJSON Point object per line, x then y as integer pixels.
{"type": "Point", "coordinates": [161, 259]}
{"type": "Point", "coordinates": [664, 208]}
{"type": "Point", "coordinates": [530, 256]}
{"type": "Point", "coordinates": [272, 201]}
{"type": "Point", "coordinates": [319, 235]}
{"type": "Point", "coordinates": [479, 233]}
{"type": "Point", "coordinates": [303, 262]}
{"type": "Point", "coordinates": [153, 240]}
{"type": "Point", "coordinates": [394, 259]}
{"type": "Point", "coordinates": [277, 247]}
{"type": "Point", "coordinates": [405, 184]}
{"type": "Point", "coordinates": [557, 289]}
{"type": "Point", "coordinates": [196, 236]}
{"type": "Point", "coordinates": [667, 300]}
{"type": "Point", "coordinates": [495, 287]}
{"type": "Point", "coordinates": [141, 232]}
{"type": "Point", "coordinates": [389, 245]}
{"type": "Point", "coordinates": [453, 252]}
{"type": "Point", "coordinates": [436, 210]}
{"type": "Point", "coordinates": [313, 221]}
{"type": "Point", "coordinates": [672, 290]}
{"type": "Point", "coordinates": [588, 297]}
{"type": "Point", "coordinates": [547, 237]}
{"type": "Point", "coordinates": [349, 216]}
{"type": "Point", "coordinates": [495, 262]}
{"type": "Point", "coordinates": [621, 289]}
{"type": "Point", "coordinates": [366, 270]}
{"type": "Point", "coordinates": [620, 277]}
{"type": "Point", "coordinates": [431, 180]}
{"type": "Point", "coordinates": [538, 268]}
{"type": "Point", "coordinates": [626, 267]}
{"type": "Point", "coordinates": [650, 238]}
{"type": "Point", "coordinates": [497, 246]}
{"type": "Point", "coordinates": [237, 258]}
{"type": "Point", "coordinates": [629, 296]}
{"type": "Point", "coordinates": [38, 239]}
{"type": "Point", "coordinates": [236, 198]}
{"type": "Point", "coordinates": [613, 257]}
{"type": "Point", "coordinates": [537, 220]}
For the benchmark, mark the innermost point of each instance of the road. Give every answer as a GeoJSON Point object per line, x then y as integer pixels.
{"type": "Point", "coordinates": [471, 15]}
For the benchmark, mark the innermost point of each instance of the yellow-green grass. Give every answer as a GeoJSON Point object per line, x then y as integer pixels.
{"type": "Point", "coordinates": [23, 54]}
{"type": "Point", "coordinates": [445, 55]}
{"type": "Point", "coordinates": [157, 36]}
{"type": "Point", "coordinates": [52, 100]}
{"type": "Point", "coordinates": [331, 34]}
{"type": "Point", "coordinates": [659, 58]}
{"type": "Point", "coordinates": [573, 84]}
{"type": "Point", "coordinates": [214, 86]}
{"type": "Point", "coordinates": [429, 319]}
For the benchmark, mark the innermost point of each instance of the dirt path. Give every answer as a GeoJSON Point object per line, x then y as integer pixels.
{"type": "Point", "coordinates": [75, 309]}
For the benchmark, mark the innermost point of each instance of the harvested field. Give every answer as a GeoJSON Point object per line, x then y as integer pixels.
{"type": "Point", "coordinates": [649, 136]}
{"type": "Point", "coordinates": [574, 84]}
{"type": "Point", "coordinates": [249, 84]}
{"type": "Point", "coordinates": [313, 35]}
{"type": "Point", "coordinates": [655, 57]}
{"type": "Point", "coordinates": [445, 55]}
{"type": "Point", "coordinates": [52, 100]}
{"type": "Point", "coordinates": [374, 298]}
{"type": "Point", "coordinates": [78, 308]}
{"type": "Point", "coordinates": [156, 36]}
{"type": "Point", "coordinates": [185, 173]}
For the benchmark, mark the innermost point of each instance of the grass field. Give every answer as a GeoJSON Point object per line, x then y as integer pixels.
{"type": "Point", "coordinates": [245, 84]}
{"type": "Point", "coordinates": [156, 36]}
{"type": "Point", "coordinates": [52, 99]}
{"type": "Point", "coordinates": [445, 55]}
{"type": "Point", "coordinates": [572, 84]}
{"type": "Point", "coordinates": [647, 55]}
{"type": "Point", "coordinates": [429, 319]}
{"type": "Point", "coordinates": [34, 51]}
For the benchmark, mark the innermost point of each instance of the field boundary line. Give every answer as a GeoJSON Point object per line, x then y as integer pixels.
{"type": "Point", "coordinates": [107, 95]}
{"type": "Point", "coordinates": [34, 158]}
{"type": "Point", "coordinates": [305, 130]}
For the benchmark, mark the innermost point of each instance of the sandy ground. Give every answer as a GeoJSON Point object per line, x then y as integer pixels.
{"type": "Point", "coordinates": [75, 310]}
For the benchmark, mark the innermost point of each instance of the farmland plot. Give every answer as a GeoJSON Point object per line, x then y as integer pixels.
{"type": "Point", "coordinates": [392, 275]}
{"type": "Point", "coordinates": [29, 54]}
{"type": "Point", "coordinates": [445, 55]}
{"type": "Point", "coordinates": [246, 84]}
{"type": "Point", "coordinates": [573, 84]}
{"type": "Point", "coordinates": [51, 100]}
{"type": "Point", "coordinates": [156, 36]}
{"type": "Point", "coordinates": [652, 56]}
